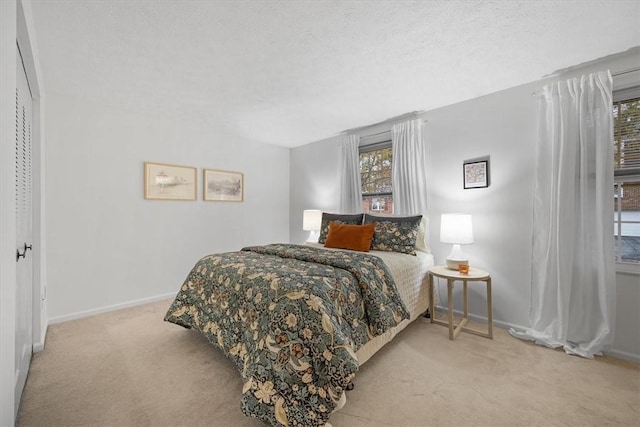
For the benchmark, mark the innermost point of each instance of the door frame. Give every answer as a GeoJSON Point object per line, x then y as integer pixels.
{"type": "Point", "coordinates": [8, 13]}
{"type": "Point", "coordinates": [17, 29]}
{"type": "Point", "coordinates": [28, 49]}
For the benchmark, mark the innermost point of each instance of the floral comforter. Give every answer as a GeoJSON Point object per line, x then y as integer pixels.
{"type": "Point", "coordinates": [291, 318]}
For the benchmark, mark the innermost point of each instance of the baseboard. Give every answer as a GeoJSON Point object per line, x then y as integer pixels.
{"type": "Point", "coordinates": [105, 309]}
{"type": "Point", "coordinates": [39, 345]}
{"type": "Point", "coordinates": [618, 354]}
{"type": "Point", "coordinates": [483, 319]}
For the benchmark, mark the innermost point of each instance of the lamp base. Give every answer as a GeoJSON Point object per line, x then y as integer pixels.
{"type": "Point", "coordinates": [453, 264]}
{"type": "Point", "coordinates": [456, 257]}
{"type": "Point", "coordinates": [313, 237]}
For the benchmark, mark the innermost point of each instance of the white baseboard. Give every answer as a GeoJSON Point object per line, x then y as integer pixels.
{"type": "Point", "coordinates": [483, 319]}
{"type": "Point", "coordinates": [618, 354]}
{"type": "Point", "coordinates": [105, 309]}
{"type": "Point", "coordinates": [39, 345]}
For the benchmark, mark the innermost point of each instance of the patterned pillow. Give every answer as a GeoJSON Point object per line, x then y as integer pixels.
{"type": "Point", "coordinates": [394, 233]}
{"type": "Point", "coordinates": [355, 219]}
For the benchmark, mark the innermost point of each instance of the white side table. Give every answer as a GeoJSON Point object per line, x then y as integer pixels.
{"type": "Point", "coordinates": [474, 275]}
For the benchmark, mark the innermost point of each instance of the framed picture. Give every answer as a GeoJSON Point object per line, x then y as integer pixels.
{"type": "Point", "coordinates": [223, 186]}
{"type": "Point", "coordinates": [169, 182]}
{"type": "Point", "coordinates": [476, 174]}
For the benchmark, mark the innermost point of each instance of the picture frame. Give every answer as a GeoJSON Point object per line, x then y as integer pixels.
{"type": "Point", "coordinates": [164, 181]}
{"type": "Point", "coordinates": [222, 186]}
{"type": "Point", "coordinates": [475, 174]}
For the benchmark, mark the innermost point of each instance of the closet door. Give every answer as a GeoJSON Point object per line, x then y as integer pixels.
{"type": "Point", "coordinates": [24, 230]}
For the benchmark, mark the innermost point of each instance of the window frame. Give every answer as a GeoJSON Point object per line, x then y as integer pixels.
{"type": "Point", "coordinates": [382, 142]}
{"type": "Point", "coordinates": [622, 177]}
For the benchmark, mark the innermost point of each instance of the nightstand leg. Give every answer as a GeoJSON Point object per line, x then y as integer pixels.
{"type": "Point", "coordinates": [489, 309]}
{"type": "Point", "coordinates": [450, 301]}
{"type": "Point", "coordinates": [432, 304]}
{"type": "Point", "coordinates": [466, 304]}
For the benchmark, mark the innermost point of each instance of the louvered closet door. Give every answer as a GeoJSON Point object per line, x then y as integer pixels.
{"type": "Point", "coordinates": [24, 257]}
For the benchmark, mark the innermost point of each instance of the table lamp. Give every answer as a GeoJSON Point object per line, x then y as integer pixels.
{"type": "Point", "coordinates": [456, 229]}
{"type": "Point", "coordinates": [311, 221]}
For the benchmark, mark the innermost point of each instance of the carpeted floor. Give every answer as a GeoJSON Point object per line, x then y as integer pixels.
{"type": "Point", "coordinates": [129, 368]}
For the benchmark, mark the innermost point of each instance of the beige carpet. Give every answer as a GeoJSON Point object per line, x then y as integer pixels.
{"type": "Point", "coordinates": [129, 368]}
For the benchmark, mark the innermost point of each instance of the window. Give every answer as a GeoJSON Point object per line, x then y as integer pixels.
{"type": "Point", "coordinates": [375, 174]}
{"type": "Point", "coordinates": [626, 139]}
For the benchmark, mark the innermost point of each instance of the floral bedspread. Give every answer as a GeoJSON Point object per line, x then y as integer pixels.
{"type": "Point", "coordinates": [291, 318]}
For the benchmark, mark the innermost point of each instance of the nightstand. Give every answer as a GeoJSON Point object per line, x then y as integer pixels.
{"type": "Point", "coordinates": [475, 275]}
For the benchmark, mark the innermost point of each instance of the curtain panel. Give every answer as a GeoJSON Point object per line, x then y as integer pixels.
{"type": "Point", "coordinates": [573, 273]}
{"type": "Point", "coordinates": [409, 182]}
{"type": "Point", "coordinates": [350, 188]}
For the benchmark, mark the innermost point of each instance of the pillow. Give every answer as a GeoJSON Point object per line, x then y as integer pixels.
{"type": "Point", "coordinates": [346, 236]}
{"type": "Point", "coordinates": [355, 219]}
{"type": "Point", "coordinates": [394, 233]}
{"type": "Point", "coordinates": [421, 241]}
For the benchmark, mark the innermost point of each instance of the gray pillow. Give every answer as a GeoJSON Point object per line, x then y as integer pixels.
{"type": "Point", "coordinates": [394, 233]}
{"type": "Point", "coordinates": [355, 219]}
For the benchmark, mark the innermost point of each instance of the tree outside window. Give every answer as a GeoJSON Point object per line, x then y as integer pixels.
{"type": "Point", "coordinates": [375, 174]}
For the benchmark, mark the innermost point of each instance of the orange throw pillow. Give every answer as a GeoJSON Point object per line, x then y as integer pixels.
{"type": "Point", "coordinates": [347, 236]}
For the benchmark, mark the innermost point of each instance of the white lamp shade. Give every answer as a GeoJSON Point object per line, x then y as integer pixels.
{"type": "Point", "coordinates": [311, 219]}
{"type": "Point", "coordinates": [456, 228]}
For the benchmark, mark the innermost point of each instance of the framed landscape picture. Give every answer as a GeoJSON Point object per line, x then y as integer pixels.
{"type": "Point", "coordinates": [476, 174]}
{"type": "Point", "coordinates": [170, 182]}
{"type": "Point", "coordinates": [223, 186]}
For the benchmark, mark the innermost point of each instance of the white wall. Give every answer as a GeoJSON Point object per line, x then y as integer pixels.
{"type": "Point", "coordinates": [314, 182]}
{"type": "Point", "coordinates": [107, 246]}
{"type": "Point", "coordinates": [627, 338]}
{"type": "Point", "coordinates": [502, 126]}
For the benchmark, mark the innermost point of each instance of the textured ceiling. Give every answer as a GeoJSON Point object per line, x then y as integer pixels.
{"type": "Point", "coordinates": [290, 73]}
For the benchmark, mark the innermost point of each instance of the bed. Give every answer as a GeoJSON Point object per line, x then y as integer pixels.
{"type": "Point", "coordinates": [298, 320]}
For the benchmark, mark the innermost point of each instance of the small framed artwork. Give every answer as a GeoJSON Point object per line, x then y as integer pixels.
{"type": "Point", "coordinates": [170, 182]}
{"type": "Point", "coordinates": [223, 186]}
{"type": "Point", "coordinates": [476, 174]}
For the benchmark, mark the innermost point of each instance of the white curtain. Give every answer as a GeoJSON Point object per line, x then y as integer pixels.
{"type": "Point", "coordinates": [350, 190]}
{"type": "Point", "coordinates": [573, 276]}
{"type": "Point", "coordinates": [409, 182]}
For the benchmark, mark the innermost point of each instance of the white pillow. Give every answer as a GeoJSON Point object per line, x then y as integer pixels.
{"type": "Point", "coordinates": [422, 241]}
